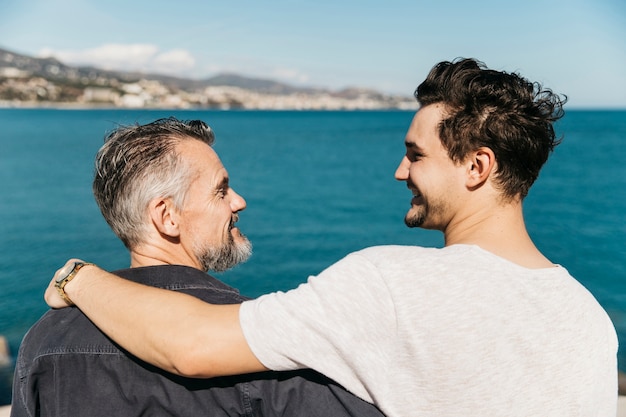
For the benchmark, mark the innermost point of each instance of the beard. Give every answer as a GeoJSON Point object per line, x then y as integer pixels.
{"type": "Point", "coordinates": [416, 219]}
{"type": "Point", "coordinates": [427, 215]}
{"type": "Point", "coordinates": [223, 257]}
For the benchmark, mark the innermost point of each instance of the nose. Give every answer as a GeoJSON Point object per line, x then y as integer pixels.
{"type": "Point", "coordinates": [402, 172]}
{"type": "Point", "coordinates": [237, 202]}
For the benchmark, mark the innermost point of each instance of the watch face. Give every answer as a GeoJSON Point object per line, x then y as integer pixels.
{"type": "Point", "coordinates": [65, 272]}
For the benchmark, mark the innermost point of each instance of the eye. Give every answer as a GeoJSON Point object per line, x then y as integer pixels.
{"type": "Point", "coordinates": [220, 192]}
{"type": "Point", "coordinates": [413, 156]}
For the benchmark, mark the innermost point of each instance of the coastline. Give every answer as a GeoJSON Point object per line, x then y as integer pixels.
{"type": "Point", "coordinates": [58, 105]}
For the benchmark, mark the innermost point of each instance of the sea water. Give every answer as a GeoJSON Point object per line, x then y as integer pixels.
{"type": "Point", "coordinates": [318, 185]}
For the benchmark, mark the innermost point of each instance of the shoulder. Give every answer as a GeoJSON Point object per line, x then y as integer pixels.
{"type": "Point", "coordinates": [387, 251]}
{"type": "Point", "coordinates": [64, 332]}
{"type": "Point", "coordinates": [390, 255]}
{"type": "Point", "coordinates": [61, 326]}
{"type": "Point", "coordinates": [185, 279]}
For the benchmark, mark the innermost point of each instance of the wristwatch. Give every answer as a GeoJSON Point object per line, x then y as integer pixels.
{"type": "Point", "coordinates": [67, 274]}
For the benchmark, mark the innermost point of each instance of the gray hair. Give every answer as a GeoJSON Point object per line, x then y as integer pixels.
{"type": "Point", "coordinates": [139, 163]}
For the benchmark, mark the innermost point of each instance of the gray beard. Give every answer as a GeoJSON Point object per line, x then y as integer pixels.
{"type": "Point", "coordinates": [224, 257]}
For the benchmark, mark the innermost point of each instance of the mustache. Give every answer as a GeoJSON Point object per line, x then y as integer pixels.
{"type": "Point", "coordinates": [233, 219]}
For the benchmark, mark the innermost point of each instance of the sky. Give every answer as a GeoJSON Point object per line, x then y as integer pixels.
{"type": "Point", "coordinates": [574, 47]}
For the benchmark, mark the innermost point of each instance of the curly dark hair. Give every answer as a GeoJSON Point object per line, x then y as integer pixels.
{"type": "Point", "coordinates": [498, 110]}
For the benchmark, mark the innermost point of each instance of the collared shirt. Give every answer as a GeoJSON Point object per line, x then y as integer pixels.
{"type": "Point", "coordinates": [66, 367]}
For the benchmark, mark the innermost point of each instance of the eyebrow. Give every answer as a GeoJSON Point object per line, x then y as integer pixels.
{"type": "Point", "coordinates": [223, 184]}
{"type": "Point", "coordinates": [413, 145]}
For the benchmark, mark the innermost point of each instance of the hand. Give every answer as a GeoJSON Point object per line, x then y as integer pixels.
{"type": "Point", "coordinates": [52, 297]}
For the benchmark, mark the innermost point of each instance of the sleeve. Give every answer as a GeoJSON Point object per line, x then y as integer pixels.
{"type": "Point", "coordinates": [339, 323]}
{"type": "Point", "coordinates": [25, 402]}
{"type": "Point", "coordinates": [18, 403]}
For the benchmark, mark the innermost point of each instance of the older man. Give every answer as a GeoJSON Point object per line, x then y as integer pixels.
{"type": "Point", "coordinates": [165, 193]}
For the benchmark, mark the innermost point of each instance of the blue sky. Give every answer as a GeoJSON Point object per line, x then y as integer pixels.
{"type": "Point", "coordinates": [576, 47]}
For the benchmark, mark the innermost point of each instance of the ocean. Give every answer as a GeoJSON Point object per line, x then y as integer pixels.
{"type": "Point", "coordinates": [318, 185]}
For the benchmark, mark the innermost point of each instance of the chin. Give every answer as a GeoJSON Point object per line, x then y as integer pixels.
{"type": "Point", "coordinates": [415, 218]}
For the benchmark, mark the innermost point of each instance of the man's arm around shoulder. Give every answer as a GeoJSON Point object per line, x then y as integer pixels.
{"type": "Point", "coordinates": [208, 342]}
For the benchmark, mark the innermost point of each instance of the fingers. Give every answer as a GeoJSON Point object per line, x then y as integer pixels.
{"type": "Point", "coordinates": [52, 297]}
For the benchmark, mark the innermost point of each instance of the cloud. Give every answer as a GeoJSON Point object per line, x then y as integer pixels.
{"type": "Point", "coordinates": [149, 58]}
{"type": "Point", "coordinates": [176, 60]}
{"type": "Point", "coordinates": [128, 57]}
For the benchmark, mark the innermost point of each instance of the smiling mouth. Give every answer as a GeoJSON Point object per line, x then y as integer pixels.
{"type": "Point", "coordinates": [417, 198]}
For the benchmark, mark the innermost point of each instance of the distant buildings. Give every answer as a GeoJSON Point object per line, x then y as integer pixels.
{"type": "Point", "coordinates": [40, 83]}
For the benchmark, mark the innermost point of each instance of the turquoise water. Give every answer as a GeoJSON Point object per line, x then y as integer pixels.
{"type": "Point", "coordinates": [318, 186]}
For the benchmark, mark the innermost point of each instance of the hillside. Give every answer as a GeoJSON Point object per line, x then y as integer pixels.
{"type": "Point", "coordinates": [31, 81]}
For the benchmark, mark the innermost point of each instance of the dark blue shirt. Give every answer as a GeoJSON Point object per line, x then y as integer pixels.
{"type": "Point", "coordinates": [66, 367]}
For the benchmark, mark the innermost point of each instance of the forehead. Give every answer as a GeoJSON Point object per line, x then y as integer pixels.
{"type": "Point", "coordinates": [424, 129]}
{"type": "Point", "coordinates": [202, 159]}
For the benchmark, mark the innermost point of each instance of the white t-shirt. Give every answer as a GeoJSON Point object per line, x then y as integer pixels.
{"type": "Point", "coordinates": [456, 331]}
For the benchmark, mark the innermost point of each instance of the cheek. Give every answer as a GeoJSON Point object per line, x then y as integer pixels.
{"type": "Point", "coordinates": [416, 172]}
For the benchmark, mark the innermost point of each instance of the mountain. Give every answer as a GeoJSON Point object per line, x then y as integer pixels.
{"type": "Point", "coordinates": [53, 69]}
{"type": "Point", "coordinates": [40, 81]}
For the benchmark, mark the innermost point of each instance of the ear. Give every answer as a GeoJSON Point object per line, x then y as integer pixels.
{"type": "Point", "coordinates": [164, 216]}
{"type": "Point", "coordinates": [480, 164]}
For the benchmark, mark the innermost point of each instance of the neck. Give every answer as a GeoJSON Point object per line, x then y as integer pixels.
{"type": "Point", "coordinates": [500, 230]}
{"type": "Point", "coordinates": [151, 254]}
{"type": "Point", "coordinates": [138, 260]}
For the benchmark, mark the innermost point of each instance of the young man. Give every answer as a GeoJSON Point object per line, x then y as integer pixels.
{"type": "Point", "coordinates": [165, 193]}
{"type": "Point", "coordinates": [486, 325]}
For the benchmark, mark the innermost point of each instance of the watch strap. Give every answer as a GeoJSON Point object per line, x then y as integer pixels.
{"type": "Point", "coordinates": [60, 285]}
